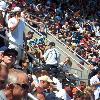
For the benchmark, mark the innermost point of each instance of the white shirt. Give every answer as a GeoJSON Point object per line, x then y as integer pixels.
{"type": "Point", "coordinates": [17, 35]}
{"type": "Point", "coordinates": [50, 55]}
{"type": "Point", "coordinates": [63, 95]}
{"type": "Point", "coordinates": [94, 80]}
{"type": "Point", "coordinates": [58, 83]}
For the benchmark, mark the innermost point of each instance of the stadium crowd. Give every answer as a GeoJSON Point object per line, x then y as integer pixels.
{"type": "Point", "coordinates": [20, 74]}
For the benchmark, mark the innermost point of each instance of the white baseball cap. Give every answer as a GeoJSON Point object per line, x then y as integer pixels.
{"type": "Point", "coordinates": [45, 78]}
{"type": "Point", "coordinates": [16, 9]}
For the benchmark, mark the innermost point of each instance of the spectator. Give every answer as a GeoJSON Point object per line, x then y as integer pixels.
{"type": "Point", "coordinates": [51, 57]}
{"type": "Point", "coordinates": [44, 84]}
{"type": "Point", "coordinates": [9, 57]}
{"type": "Point", "coordinates": [16, 27]}
{"type": "Point", "coordinates": [17, 86]}
{"type": "Point", "coordinates": [66, 64]}
{"type": "Point", "coordinates": [95, 81]}
{"type": "Point", "coordinates": [63, 93]}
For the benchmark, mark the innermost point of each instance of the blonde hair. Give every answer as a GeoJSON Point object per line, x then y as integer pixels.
{"type": "Point", "coordinates": [88, 90]}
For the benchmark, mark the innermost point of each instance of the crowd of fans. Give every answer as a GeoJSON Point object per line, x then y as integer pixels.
{"type": "Point", "coordinates": [21, 75]}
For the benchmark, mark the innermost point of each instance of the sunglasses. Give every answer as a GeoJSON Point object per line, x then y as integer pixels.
{"type": "Point", "coordinates": [3, 81]}
{"type": "Point", "coordinates": [23, 86]}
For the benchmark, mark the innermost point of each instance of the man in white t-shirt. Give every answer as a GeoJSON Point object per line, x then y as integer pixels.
{"type": "Point", "coordinates": [95, 81]}
{"type": "Point", "coordinates": [52, 57]}
{"type": "Point", "coordinates": [16, 27]}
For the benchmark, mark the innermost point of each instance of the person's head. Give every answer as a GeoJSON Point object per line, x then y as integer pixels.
{"type": "Point", "coordinates": [24, 63]}
{"type": "Point", "coordinates": [9, 56]}
{"type": "Point", "coordinates": [17, 11]}
{"type": "Point", "coordinates": [45, 81]}
{"type": "Point", "coordinates": [82, 85]}
{"type": "Point", "coordinates": [29, 35]}
{"type": "Point", "coordinates": [3, 75]}
{"type": "Point", "coordinates": [88, 91]}
{"type": "Point", "coordinates": [51, 44]}
{"type": "Point", "coordinates": [68, 61]}
{"type": "Point", "coordinates": [19, 81]}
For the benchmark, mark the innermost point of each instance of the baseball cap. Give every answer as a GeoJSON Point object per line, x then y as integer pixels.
{"type": "Point", "coordinates": [16, 9]}
{"type": "Point", "coordinates": [52, 44]}
{"type": "Point", "coordinates": [45, 78]}
{"type": "Point", "coordinates": [10, 51]}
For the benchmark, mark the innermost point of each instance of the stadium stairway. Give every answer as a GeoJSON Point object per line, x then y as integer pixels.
{"type": "Point", "coordinates": [77, 69]}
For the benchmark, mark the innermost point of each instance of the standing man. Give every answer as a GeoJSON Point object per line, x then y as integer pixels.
{"type": "Point", "coordinates": [95, 81]}
{"type": "Point", "coordinates": [16, 27]}
{"type": "Point", "coordinates": [52, 57]}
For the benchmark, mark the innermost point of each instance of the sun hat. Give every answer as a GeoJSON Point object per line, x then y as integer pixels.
{"type": "Point", "coordinates": [45, 78]}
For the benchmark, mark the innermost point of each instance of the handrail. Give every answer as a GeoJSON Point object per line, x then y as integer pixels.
{"type": "Point", "coordinates": [18, 46]}
{"type": "Point", "coordinates": [57, 46]}
{"type": "Point", "coordinates": [32, 97]}
{"type": "Point", "coordinates": [29, 94]}
{"type": "Point", "coordinates": [69, 48]}
{"type": "Point", "coordinates": [64, 44]}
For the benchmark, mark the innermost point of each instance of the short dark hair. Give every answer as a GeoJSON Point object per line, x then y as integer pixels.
{"type": "Point", "coordinates": [51, 44]}
{"type": "Point", "coordinates": [6, 52]}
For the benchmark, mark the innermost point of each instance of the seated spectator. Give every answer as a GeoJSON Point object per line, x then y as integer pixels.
{"type": "Point", "coordinates": [17, 86]}
{"type": "Point", "coordinates": [66, 64]}
{"type": "Point", "coordinates": [24, 64]}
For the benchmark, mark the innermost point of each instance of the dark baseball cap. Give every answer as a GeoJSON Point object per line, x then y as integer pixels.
{"type": "Point", "coordinates": [51, 44]}
{"type": "Point", "coordinates": [11, 52]}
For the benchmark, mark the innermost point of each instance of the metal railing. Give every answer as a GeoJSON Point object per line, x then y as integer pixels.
{"type": "Point", "coordinates": [57, 46]}
{"type": "Point", "coordinates": [75, 53]}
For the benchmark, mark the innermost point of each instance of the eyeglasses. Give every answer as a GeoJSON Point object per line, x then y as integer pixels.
{"type": "Point", "coordinates": [23, 86]}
